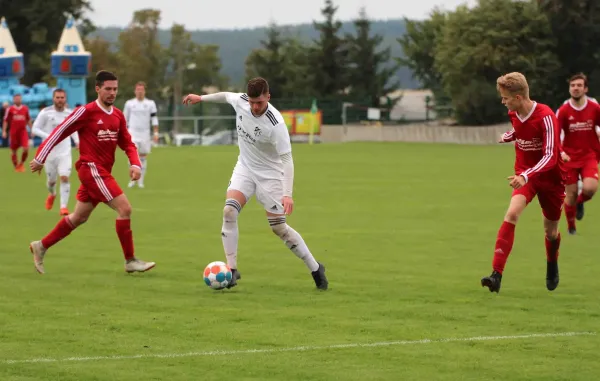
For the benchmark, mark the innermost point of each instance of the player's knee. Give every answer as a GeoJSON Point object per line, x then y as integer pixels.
{"type": "Point", "coordinates": [511, 216]}
{"type": "Point", "coordinates": [279, 227]}
{"type": "Point", "coordinates": [125, 210]}
{"type": "Point", "coordinates": [64, 179]}
{"type": "Point", "coordinates": [78, 219]}
{"type": "Point", "coordinates": [231, 210]}
{"type": "Point", "coordinates": [551, 231]}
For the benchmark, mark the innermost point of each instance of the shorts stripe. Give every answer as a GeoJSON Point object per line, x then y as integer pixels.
{"type": "Point", "coordinates": [103, 188]}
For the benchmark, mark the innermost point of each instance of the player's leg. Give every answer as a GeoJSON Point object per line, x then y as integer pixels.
{"type": "Point", "coordinates": [51, 176]}
{"type": "Point", "coordinates": [83, 210]}
{"type": "Point", "coordinates": [589, 175]}
{"type": "Point", "coordinates": [239, 191]}
{"type": "Point", "coordinates": [571, 199]}
{"type": "Point", "coordinates": [551, 200]}
{"type": "Point", "coordinates": [123, 227]}
{"type": "Point", "coordinates": [14, 143]}
{"type": "Point", "coordinates": [270, 195]}
{"type": "Point", "coordinates": [506, 235]}
{"type": "Point", "coordinates": [144, 150]}
{"type": "Point", "coordinates": [25, 149]}
{"type": "Point", "coordinates": [64, 171]}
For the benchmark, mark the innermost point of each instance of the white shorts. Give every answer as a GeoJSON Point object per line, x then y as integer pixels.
{"type": "Point", "coordinates": [59, 166]}
{"type": "Point", "coordinates": [269, 193]}
{"type": "Point", "coordinates": [144, 146]}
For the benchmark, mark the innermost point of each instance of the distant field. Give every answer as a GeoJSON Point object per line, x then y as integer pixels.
{"type": "Point", "coordinates": [406, 231]}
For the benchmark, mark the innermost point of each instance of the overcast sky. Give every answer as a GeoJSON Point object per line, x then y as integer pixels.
{"type": "Point", "coordinates": [229, 14]}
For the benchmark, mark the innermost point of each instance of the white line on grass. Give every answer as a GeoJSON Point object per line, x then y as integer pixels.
{"type": "Point", "coordinates": [302, 348]}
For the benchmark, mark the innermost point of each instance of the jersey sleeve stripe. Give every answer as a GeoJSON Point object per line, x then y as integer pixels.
{"type": "Point", "coordinates": [49, 144]}
{"type": "Point", "coordinates": [271, 117]}
{"type": "Point", "coordinates": [244, 97]}
{"type": "Point", "coordinates": [549, 146]}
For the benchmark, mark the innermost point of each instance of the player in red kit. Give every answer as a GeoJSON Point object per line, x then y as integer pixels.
{"type": "Point", "coordinates": [578, 119]}
{"type": "Point", "coordinates": [101, 128]}
{"type": "Point", "coordinates": [538, 172]}
{"type": "Point", "coordinates": [17, 116]}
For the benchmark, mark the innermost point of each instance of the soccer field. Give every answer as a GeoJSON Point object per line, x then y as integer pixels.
{"type": "Point", "coordinates": [406, 231]}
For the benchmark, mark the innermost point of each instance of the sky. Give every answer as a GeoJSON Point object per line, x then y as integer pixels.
{"type": "Point", "coordinates": [236, 14]}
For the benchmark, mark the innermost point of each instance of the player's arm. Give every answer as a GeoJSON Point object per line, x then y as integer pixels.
{"type": "Point", "coordinates": [75, 137]}
{"type": "Point", "coordinates": [154, 119]}
{"type": "Point", "coordinates": [126, 144]}
{"type": "Point", "coordinates": [550, 157]}
{"type": "Point", "coordinates": [5, 122]}
{"type": "Point", "coordinates": [280, 137]}
{"type": "Point", "coordinates": [222, 97]}
{"type": "Point", "coordinates": [508, 136]}
{"type": "Point", "coordinates": [38, 126]}
{"type": "Point", "coordinates": [75, 121]}
{"type": "Point", "coordinates": [127, 112]}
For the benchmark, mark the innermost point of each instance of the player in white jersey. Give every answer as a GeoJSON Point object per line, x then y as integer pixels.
{"type": "Point", "coordinates": [59, 160]}
{"type": "Point", "coordinates": [140, 112]}
{"type": "Point", "coordinates": [264, 168]}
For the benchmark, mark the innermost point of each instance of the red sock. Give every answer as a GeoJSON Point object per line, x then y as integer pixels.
{"type": "Point", "coordinates": [24, 155]}
{"type": "Point", "coordinates": [126, 237]}
{"type": "Point", "coordinates": [60, 231]}
{"type": "Point", "coordinates": [570, 212]}
{"type": "Point", "coordinates": [583, 198]}
{"type": "Point", "coordinates": [13, 157]}
{"type": "Point", "coordinates": [504, 244]}
{"type": "Point", "coordinates": [552, 249]}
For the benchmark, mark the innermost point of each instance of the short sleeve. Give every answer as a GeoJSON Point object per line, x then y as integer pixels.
{"type": "Point", "coordinates": [280, 137]}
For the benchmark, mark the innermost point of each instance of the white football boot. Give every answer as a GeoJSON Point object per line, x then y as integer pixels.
{"type": "Point", "coordinates": [138, 265]}
{"type": "Point", "coordinates": [38, 252]}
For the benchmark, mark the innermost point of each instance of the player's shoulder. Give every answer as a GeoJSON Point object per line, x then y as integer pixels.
{"type": "Point", "coordinates": [117, 112]}
{"type": "Point", "coordinates": [543, 110]}
{"type": "Point", "coordinates": [273, 115]}
{"type": "Point", "coordinates": [47, 109]}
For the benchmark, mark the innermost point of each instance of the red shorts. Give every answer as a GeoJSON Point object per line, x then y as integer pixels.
{"type": "Point", "coordinates": [550, 196]}
{"type": "Point", "coordinates": [97, 185]}
{"type": "Point", "coordinates": [18, 138]}
{"type": "Point", "coordinates": [587, 169]}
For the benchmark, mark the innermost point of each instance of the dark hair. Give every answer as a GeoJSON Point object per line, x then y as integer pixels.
{"type": "Point", "coordinates": [257, 87]}
{"type": "Point", "coordinates": [579, 76]}
{"type": "Point", "coordinates": [77, 104]}
{"type": "Point", "coordinates": [103, 76]}
{"type": "Point", "coordinates": [58, 90]}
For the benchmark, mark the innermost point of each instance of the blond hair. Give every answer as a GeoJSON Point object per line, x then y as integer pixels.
{"type": "Point", "coordinates": [514, 83]}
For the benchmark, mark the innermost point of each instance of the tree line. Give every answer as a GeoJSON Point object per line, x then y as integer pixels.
{"type": "Point", "coordinates": [459, 54]}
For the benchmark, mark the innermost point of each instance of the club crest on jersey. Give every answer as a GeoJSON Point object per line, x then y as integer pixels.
{"type": "Point", "coordinates": [257, 132]}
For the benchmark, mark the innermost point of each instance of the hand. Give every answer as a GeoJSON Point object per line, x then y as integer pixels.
{"type": "Point", "coordinates": [191, 99]}
{"type": "Point", "coordinates": [288, 205]}
{"type": "Point", "coordinates": [516, 181]}
{"type": "Point", "coordinates": [155, 138]}
{"type": "Point", "coordinates": [501, 140]}
{"type": "Point", "coordinates": [35, 166]}
{"type": "Point", "coordinates": [135, 173]}
{"type": "Point", "coordinates": [77, 146]}
{"type": "Point", "coordinates": [565, 157]}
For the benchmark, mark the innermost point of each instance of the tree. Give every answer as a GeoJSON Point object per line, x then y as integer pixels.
{"type": "Point", "coordinates": [418, 45]}
{"type": "Point", "coordinates": [36, 29]}
{"type": "Point", "coordinates": [369, 75]}
{"type": "Point", "coordinates": [103, 58]}
{"type": "Point", "coordinates": [329, 55]}
{"type": "Point", "coordinates": [576, 27]}
{"type": "Point", "coordinates": [269, 62]}
{"type": "Point", "coordinates": [140, 55]}
{"type": "Point", "coordinates": [496, 37]}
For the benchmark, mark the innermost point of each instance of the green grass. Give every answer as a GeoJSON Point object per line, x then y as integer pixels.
{"type": "Point", "coordinates": [406, 232]}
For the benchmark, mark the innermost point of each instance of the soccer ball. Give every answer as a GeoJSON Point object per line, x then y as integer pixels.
{"type": "Point", "coordinates": [217, 275]}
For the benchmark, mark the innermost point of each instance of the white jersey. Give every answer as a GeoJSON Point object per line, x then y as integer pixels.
{"type": "Point", "coordinates": [262, 140]}
{"type": "Point", "coordinates": [139, 116]}
{"type": "Point", "coordinates": [46, 122]}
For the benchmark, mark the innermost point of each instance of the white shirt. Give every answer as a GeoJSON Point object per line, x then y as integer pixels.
{"type": "Point", "coordinates": [262, 140]}
{"type": "Point", "coordinates": [46, 122]}
{"type": "Point", "coordinates": [140, 115]}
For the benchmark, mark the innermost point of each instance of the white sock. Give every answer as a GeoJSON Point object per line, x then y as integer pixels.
{"type": "Point", "coordinates": [144, 167]}
{"type": "Point", "coordinates": [51, 187]}
{"type": "Point", "coordinates": [293, 240]}
{"type": "Point", "coordinates": [65, 191]}
{"type": "Point", "coordinates": [230, 232]}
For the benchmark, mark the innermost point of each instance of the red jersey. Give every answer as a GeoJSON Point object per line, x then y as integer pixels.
{"type": "Point", "coordinates": [537, 144]}
{"type": "Point", "coordinates": [17, 117]}
{"type": "Point", "coordinates": [579, 126]}
{"type": "Point", "coordinates": [100, 132]}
